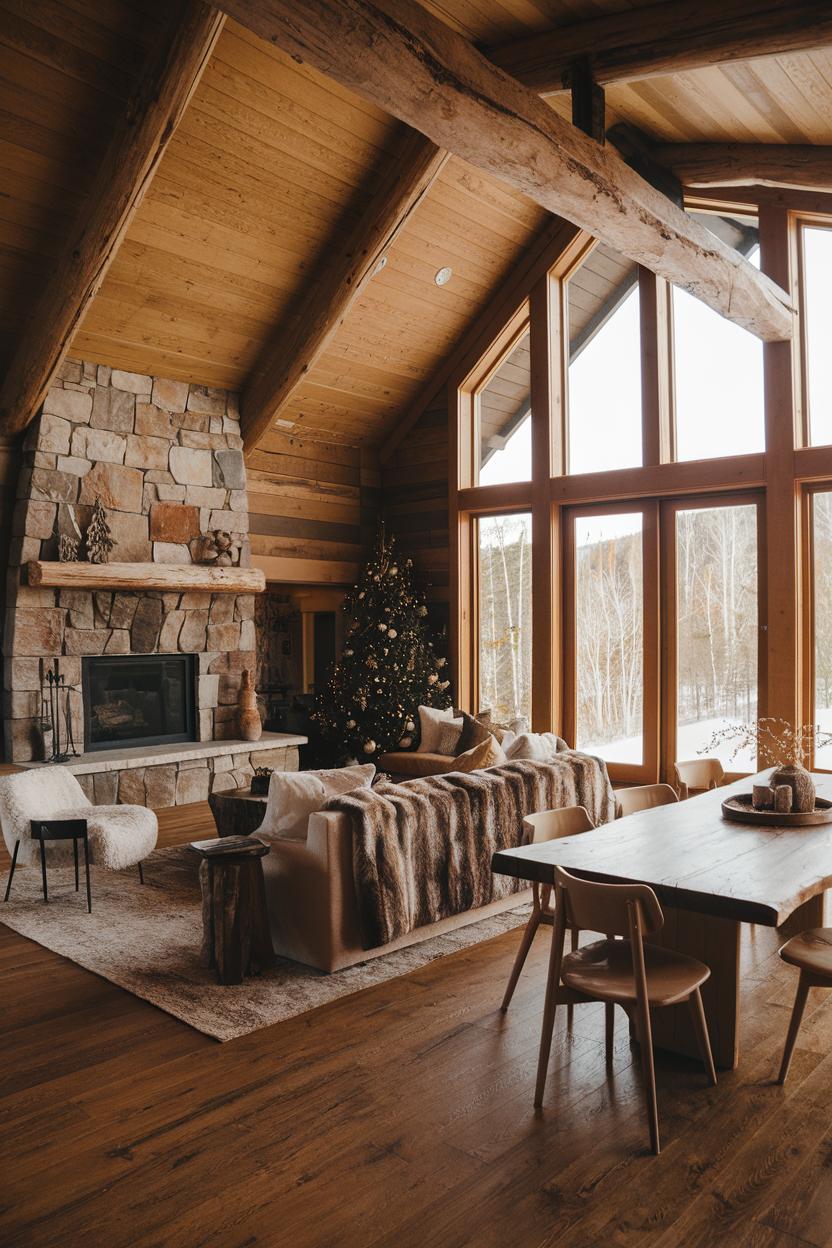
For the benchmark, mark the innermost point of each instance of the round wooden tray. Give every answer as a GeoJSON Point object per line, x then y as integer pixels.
{"type": "Point", "coordinates": [740, 810]}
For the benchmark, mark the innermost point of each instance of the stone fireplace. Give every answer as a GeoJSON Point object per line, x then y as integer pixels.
{"type": "Point", "coordinates": [165, 458]}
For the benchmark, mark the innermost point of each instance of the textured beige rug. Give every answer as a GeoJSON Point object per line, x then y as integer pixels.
{"type": "Point", "coordinates": [146, 939]}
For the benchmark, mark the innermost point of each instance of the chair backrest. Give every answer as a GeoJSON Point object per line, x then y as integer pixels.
{"type": "Point", "coordinates": [607, 908]}
{"type": "Point", "coordinates": [699, 774]}
{"type": "Point", "coordinates": [643, 797]}
{"type": "Point", "coordinates": [551, 825]}
{"type": "Point", "coordinates": [38, 793]}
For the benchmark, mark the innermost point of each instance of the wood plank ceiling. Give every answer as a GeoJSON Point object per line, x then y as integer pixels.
{"type": "Point", "coordinates": [270, 165]}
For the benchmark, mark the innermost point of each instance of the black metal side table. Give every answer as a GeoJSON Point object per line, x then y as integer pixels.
{"type": "Point", "coordinates": [74, 830]}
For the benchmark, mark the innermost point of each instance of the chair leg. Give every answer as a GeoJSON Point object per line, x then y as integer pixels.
{"type": "Point", "coordinates": [11, 872]}
{"type": "Point", "coordinates": [141, 874]}
{"type": "Point", "coordinates": [645, 1040]}
{"type": "Point", "coordinates": [794, 1026]}
{"type": "Point", "coordinates": [87, 871]}
{"type": "Point", "coordinates": [609, 1029]}
{"type": "Point", "coordinates": [703, 1040]}
{"type": "Point", "coordinates": [550, 1004]}
{"type": "Point", "coordinates": [522, 953]}
{"type": "Point", "coordinates": [43, 868]}
{"type": "Point", "coordinates": [75, 856]}
{"type": "Point", "coordinates": [573, 942]}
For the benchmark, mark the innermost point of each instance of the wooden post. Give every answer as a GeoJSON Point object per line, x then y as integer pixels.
{"type": "Point", "coordinates": [781, 636]}
{"type": "Point", "coordinates": [545, 393]}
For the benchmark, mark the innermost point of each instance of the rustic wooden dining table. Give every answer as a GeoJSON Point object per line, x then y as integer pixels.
{"type": "Point", "coordinates": [711, 876]}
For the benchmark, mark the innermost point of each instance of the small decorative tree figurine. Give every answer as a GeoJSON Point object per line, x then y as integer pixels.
{"type": "Point", "coordinates": [388, 667]}
{"type": "Point", "coordinates": [781, 745]}
{"type": "Point", "coordinates": [99, 539]}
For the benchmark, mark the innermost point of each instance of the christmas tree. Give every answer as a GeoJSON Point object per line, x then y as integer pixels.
{"type": "Point", "coordinates": [388, 667]}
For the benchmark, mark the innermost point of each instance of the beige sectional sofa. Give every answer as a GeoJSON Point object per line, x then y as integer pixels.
{"type": "Point", "coordinates": [312, 901]}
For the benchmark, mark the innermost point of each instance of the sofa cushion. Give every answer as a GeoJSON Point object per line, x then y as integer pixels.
{"type": "Point", "coordinates": [450, 733]}
{"type": "Point", "coordinates": [488, 753]}
{"type": "Point", "coordinates": [475, 730]}
{"type": "Point", "coordinates": [431, 720]}
{"type": "Point", "coordinates": [295, 795]}
{"type": "Point", "coordinates": [537, 747]}
{"type": "Point", "coordinates": [415, 763]}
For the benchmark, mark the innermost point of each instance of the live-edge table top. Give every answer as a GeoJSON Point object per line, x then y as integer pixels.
{"type": "Point", "coordinates": [694, 859]}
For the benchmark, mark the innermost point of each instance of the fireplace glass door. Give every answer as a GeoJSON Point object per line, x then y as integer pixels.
{"type": "Point", "coordinates": [132, 700]}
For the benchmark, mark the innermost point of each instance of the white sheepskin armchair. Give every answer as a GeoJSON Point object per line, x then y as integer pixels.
{"type": "Point", "coordinates": [119, 836]}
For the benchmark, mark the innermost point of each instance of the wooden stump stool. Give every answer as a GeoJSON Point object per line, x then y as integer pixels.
{"type": "Point", "coordinates": [236, 937]}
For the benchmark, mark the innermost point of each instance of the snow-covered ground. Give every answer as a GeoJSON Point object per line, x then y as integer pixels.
{"type": "Point", "coordinates": [690, 739]}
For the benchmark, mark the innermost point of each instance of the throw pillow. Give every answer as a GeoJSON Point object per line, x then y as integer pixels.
{"type": "Point", "coordinates": [487, 754]}
{"type": "Point", "coordinates": [450, 733]}
{"type": "Point", "coordinates": [430, 725]}
{"type": "Point", "coordinates": [474, 732]}
{"type": "Point", "coordinates": [295, 795]}
{"type": "Point", "coordinates": [539, 747]}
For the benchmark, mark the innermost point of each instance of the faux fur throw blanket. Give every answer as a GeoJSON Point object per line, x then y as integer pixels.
{"type": "Point", "coordinates": [422, 849]}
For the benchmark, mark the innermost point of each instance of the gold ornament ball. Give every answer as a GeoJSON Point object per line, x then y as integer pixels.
{"type": "Point", "coordinates": [369, 747]}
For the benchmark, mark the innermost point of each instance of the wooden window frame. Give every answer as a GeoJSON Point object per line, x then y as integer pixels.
{"type": "Point", "coordinates": [474, 549]}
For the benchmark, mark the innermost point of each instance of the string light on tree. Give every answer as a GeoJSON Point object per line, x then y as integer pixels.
{"type": "Point", "coordinates": [388, 667]}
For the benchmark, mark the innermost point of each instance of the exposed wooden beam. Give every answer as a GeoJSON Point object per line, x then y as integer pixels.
{"type": "Point", "coordinates": [409, 63]}
{"type": "Point", "coordinates": [796, 165]}
{"type": "Point", "coordinates": [666, 39]}
{"type": "Point", "coordinates": [329, 295]}
{"type": "Point", "coordinates": [164, 88]}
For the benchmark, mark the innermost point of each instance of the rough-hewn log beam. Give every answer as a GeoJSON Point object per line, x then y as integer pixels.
{"type": "Point", "coordinates": [163, 90]}
{"type": "Point", "coordinates": [409, 63]}
{"type": "Point", "coordinates": [666, 39]}
{"type": "Point", "coordinates": [344, 275]}
{"type": "Point", "coordinates": [798, 166]}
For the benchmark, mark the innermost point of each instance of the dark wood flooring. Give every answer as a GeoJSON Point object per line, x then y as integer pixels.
{"type": "Point", "coordinates": [401, 1116]}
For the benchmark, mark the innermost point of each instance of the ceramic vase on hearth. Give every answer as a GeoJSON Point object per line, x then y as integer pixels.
{"type": "Point", "coordinates": [250, 724]}
{"type": "Point", "coordinates": [799, 781]}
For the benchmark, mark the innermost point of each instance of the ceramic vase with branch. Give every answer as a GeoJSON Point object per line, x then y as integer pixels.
{"type": "Point", "coordinates": [781, 745]}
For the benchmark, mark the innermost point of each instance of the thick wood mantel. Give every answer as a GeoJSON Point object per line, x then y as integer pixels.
{"type": "Point", "coordinates": [143, 576]}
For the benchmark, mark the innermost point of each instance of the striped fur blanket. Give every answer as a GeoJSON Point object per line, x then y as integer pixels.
{"type": "Point", "coordinates": [422, 849]}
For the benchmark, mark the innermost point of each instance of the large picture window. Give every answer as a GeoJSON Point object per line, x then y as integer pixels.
{"type": "Point", "coordinates": [821, 599]}
{"type": "Point", "coordinates": [717, 367]}
{"type": "Point", "coordinates": [604, 386]}
{"type": "Point", "coordinates": [716, 611]}
{"type": "Point", "coordinates": [504, 613]}
{"type": "Point", "coordinates": [504, 419]}
{"type": "Point", "coordinates": [817, 309]}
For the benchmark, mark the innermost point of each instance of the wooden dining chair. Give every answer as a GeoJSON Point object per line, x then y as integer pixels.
{"type": "Point", "coordinates": [545, 825]}
{"type": "Point", "coordinates": [811, 953]}
{"type": "Point", "coordinates": [626, 972]}
{"type": "Point", "coordinates": [643, 797]}
{"type": "Point", "coordinates": [698, 775]}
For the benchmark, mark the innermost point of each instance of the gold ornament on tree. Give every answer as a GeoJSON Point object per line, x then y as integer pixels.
{"type": "Point", "coordinates": [99, 539]}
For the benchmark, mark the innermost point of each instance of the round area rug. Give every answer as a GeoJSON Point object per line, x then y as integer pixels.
{"type": "Point", "coordinates": [146, 938]}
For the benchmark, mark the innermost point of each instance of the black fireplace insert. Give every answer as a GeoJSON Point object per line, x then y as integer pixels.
{"type": "Point", "coordinates": [138, 699]}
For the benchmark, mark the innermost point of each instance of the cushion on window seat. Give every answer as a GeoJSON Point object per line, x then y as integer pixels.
{"type": "Point", "coordinates": [413, 763]}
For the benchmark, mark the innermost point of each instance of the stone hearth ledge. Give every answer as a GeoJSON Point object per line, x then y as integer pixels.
{"type": "Point", "coordinates": [157, 755]}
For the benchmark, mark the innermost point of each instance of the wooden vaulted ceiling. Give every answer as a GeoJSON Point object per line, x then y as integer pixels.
{"type": "Point", "coordinates": [270, 166]}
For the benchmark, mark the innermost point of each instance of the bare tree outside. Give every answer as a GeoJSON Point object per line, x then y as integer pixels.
{"type": "Point", "coordinates": [505, 615]}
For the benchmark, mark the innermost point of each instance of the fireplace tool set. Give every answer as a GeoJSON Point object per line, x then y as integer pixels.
{"type": "Point", "coordinates": [58, 738]}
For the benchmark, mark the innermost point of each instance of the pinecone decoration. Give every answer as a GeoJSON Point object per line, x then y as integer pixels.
{"type": "Point", "coordinates": [99, 539]}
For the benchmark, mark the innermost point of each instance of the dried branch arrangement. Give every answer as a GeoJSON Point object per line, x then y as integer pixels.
{"type": "Point", "coordinates": [776, 741]}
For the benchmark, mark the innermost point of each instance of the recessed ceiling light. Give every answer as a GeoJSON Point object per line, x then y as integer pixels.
{"type": "Point", "coordinates": [381, 265]}
{"type": "Point", "coordinates": [443, 276]}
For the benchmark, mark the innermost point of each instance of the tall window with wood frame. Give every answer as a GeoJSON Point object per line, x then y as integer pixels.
{"type": "Point", "coordinates": [604, 363]}
{"type": "Point", "coordinates": [504, 614]}
{"type": "Point", "coordinates": [658, 535]}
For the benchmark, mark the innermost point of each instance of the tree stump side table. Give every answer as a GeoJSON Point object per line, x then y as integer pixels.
{"type": "Point", "coordinates": [236, 937]}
